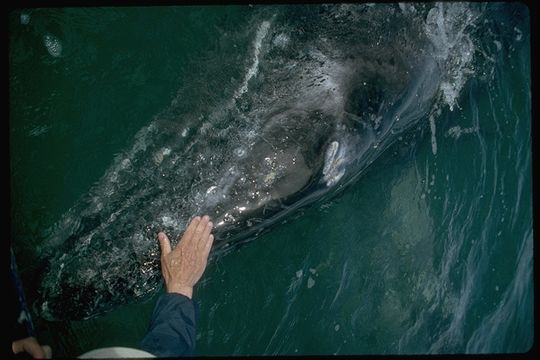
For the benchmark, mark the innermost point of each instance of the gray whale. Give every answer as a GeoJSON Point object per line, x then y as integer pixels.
{"type": "Point", "coordinates": [325, 90]}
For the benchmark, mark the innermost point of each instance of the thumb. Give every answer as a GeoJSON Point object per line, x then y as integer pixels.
{"type": "Point", "coordinates": [164, 243]}
{"type": "Point", "coordinates": [17, 347]}
{"type": "Point", "coordinates": [48, 351]}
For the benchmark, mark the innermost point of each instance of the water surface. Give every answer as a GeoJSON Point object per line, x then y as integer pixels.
{"type": "Point", "coordinates": [430, 251]}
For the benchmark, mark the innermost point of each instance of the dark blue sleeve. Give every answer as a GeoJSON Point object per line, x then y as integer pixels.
{"type": "Point", "coordinates": [20, 315]}
{"type": "Point", "coordinates": [171, 331]}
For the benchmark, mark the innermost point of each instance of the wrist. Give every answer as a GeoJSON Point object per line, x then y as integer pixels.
{"type": "Point", "coordinates": [183, 290]}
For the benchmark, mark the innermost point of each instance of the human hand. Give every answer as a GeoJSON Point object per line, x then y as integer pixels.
{"type": "Point", "coordinates": [32, 347]}
{"type": "Point", "coordinates": [183, 267]}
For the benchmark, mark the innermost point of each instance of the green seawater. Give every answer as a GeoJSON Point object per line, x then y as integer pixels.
{"type": "Point", "coordinates": [429, 252]}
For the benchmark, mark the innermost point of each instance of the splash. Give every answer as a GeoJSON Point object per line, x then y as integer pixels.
{"type": "Point", "coordinates": [53, 45]}
{"type": "Point", "coordinates": [447, 26]}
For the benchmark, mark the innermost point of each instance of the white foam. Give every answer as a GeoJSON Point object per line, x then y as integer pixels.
{"type": "Point", "coordinates": [433, 138]}
{"type": "Point", "coordinates": [446, 26]}
{"type": "Point", "coordinates": [141, 140]}
{"type": "Point", "coordinates": [334, 168]}
{"type": "Point", "coordinates": [38, 130]}
{"type": "Point", "coordinates": [53, 45]}
{"type": "Point", "coordinates": [519, 34]}
{"type": "Point", "coordinates": [457, 131]}
{"type": "Point", "coordinates": [25, 18]}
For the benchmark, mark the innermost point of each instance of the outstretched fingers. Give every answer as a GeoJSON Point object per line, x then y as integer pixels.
{"type": "Point", "coordinates": [201, 228]}
{"type": "Point", "coordinates": [205, 236]}
{"type": "Point", "coordinates": [208, 246]}
{"type": "Point", "coordinates": [198, 235]}
{"type": "Point", "coordinates": [164, 243]}
{"type": "Point", "coordinates": [190, 231]}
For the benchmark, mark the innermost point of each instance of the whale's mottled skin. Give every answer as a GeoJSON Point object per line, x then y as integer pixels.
{"type": "Point", "coordinates": [326, 89]}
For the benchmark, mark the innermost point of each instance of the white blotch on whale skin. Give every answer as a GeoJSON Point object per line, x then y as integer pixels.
{"type": "Point", "coordinates": [281, 40]}
{"type": "Point", "coordinates": [169, 221]}
{"type": "Point", "coordinates": [254, 69]}
{"type": "Point", "coordinates": [125, 164]}
{"type": "Point", "coordinates": [160, 155]}
{"type": "Point", "coordinates": [240, 152]}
